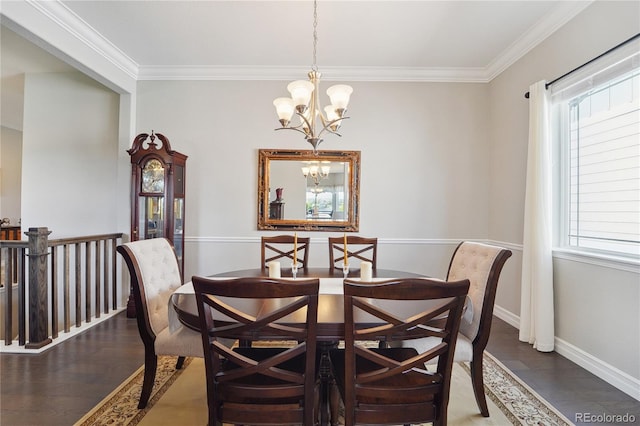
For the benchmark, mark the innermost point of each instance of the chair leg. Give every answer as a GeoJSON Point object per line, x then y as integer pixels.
{"type": "Point", "coordinates": [150, 366]}
{"type": "Point", "coordinates": [478, 384]}
{"type": "Point", "coordinates": [180, 363]}
{"type": "Point", "coordinates": [316, 403]}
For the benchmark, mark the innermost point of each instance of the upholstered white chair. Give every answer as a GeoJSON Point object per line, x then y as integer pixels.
{"type": "Point", "coordinates": [481, 264]}
{"type": "Point", "coordinates": [155, 275]}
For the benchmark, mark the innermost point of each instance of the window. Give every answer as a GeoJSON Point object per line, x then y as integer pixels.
{"type": "Point", "coordinates": [598, 123]}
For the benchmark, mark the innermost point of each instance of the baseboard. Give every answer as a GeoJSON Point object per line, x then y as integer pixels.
{"type": "Point", "coordinates": [610, 374]}
{"type": "Point", "coordinates": [507, 316]}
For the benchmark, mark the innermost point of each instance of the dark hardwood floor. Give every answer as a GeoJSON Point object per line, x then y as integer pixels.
{"type": "Point", "coordinates": [59, 386]}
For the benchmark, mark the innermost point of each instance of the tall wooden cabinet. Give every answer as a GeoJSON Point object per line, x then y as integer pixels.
{"type": "Point", "coordinates": [157, 194]}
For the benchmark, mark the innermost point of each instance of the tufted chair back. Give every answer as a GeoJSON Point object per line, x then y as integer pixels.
{"type": "Point", "coordinates": [155, 275]}
{"type": "Point", "coordinates": [159, 275]}
{"type": "Point", "coordinates": [481, 264]}
{"type": "Point", "coordinates": [475, 262]}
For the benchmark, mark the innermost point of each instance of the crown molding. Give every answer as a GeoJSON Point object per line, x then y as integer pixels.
{"type": "Point", "coordinates": [57, 12]}
{"type": "Point", "coordinates": [61, 15]}
{"type": "Point", "coordinates": [563, 13]}
{"type": "Point", "coordinates": [466, 75]}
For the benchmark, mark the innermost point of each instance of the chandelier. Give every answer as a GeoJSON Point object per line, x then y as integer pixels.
{"type": "Point", "coordinates": [305, 104]}
{"type": "Point", "coordinates": [316, 171]}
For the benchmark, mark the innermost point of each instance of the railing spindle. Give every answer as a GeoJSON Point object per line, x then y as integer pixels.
{"type": "Point", "coordinates": [66, 302]}
{"type": "Point", "coordinates": [87, 282]}
{"type": "Point", "coordinates": [97, 277]}
{"type": "Point", "coordinates": [114, 271]}
{"type": "Point", "coordinates": [22, 296]}
{"type": "Point", "coordinates": [54, 292]}
{"type": "Point", "coordinates": [105, 278]}
{"type": "Point", "coordinates": [78, 284]}
{"type": "Point", "coordinates": [8, 299]}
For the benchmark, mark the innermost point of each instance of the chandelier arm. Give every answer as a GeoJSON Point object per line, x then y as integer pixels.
{"type": "Point", "coordinates": [309, 125]}
{"type": "Point", "coordinates": [327, 127]}
{"type": "Point", "coordinates": [328, 130]}
{"type": "Point", "coordinates": [297, 129]}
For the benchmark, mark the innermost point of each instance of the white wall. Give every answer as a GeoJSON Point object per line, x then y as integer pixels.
{"type": "Point", "coordinates": [424, 166]}
{"type": "Point", "coordinates": [597, 307]}
{"type": "Point", "coordinates": [69, 172]}
{"type": "Point", "coordinates": [10, 173]}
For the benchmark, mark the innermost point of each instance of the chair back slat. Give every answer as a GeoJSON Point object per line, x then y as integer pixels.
{"type": "Point", "coordinates": [268, 383]}
{"type": "Point", "coordinates": [281, 248]}
{"type": "Point", "coordinates": [361, 248]}
{"type": "Point", "coordinates": [390, 385]}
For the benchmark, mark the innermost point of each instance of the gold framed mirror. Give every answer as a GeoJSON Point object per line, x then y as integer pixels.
{"type": "Point", "coordinates": [300, 190]}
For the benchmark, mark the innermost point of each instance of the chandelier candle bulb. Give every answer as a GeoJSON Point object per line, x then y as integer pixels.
{"type": "Point", "coordinates": [301, 91]}
{"type": "Point", "coordinates": [339, 95]}
{"type": "Point", "coordinates": [285, 109]}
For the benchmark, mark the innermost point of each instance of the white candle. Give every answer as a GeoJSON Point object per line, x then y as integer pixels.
{"type": "Point", "coordinates": [274, 269]}
{"type": "Point", "coordinates": [366, 271]}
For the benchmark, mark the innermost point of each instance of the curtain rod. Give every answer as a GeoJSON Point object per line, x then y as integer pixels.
{"type": "Point", "coordinates": [526, 95]}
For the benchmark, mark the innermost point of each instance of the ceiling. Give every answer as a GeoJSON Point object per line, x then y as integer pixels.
{"type": "Point", "coordinates": [472, 40]}
{"type": "Point", "coordinates": [382, 40]}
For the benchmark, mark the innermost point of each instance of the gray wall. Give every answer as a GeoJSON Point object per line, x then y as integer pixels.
{"type": "Point", "coordinates": [597, 310]}
{"type": "Point", "coordinates": [69, 153]}
{"type": "Point", "coordinates": [10, 174]}
{"type": "Point", "coordinates": [424, 174]}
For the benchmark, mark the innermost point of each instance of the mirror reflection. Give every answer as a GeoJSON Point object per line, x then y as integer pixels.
{"type": "Point", "coordinates": [300, 190]}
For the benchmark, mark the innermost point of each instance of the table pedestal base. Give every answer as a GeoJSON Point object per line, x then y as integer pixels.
{"type": "Point", "coordinates": [329, 394]}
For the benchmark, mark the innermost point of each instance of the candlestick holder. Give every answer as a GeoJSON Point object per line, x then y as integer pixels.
{"type": "Point", "coordinates": [294, 270]}
{"type": "Point", "coordinates": [345, 270]}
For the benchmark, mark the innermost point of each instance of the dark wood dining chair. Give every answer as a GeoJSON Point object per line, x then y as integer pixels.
{"type": "Point", "coordinates": [155, 275]}
{"type": "Point", "coordinates": [482, 265]}
{"type": "Point", "coordinates": [281, 247]}
{"type": "Point", "coordinates": [259, 385]}
{"type": "Point", "coordinates": [391, 385]}
{"type": "Point", "coordinates": [361, 248]}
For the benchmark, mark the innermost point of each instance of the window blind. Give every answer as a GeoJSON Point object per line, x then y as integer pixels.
{"type": "Point", "coordinates": [601, 134]}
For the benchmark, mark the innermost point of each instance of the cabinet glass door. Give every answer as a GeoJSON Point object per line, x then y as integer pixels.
{"type": "Point", "coordinates": [178, 223]}
{"type": "Point", "coordinates": [151, 223]}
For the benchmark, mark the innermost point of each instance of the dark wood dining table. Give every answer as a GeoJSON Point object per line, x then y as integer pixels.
{"type": "Point", "coordinates": [330, 329]}
{"type": "Point", "coordinates": [330, 301]}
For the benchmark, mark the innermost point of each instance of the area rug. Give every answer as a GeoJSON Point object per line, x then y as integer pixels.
{"type": "Point", "coordinates": [179, 398]}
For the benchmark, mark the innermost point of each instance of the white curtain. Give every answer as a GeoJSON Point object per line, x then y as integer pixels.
{"type": "Point", "coordinates": [536, 302]}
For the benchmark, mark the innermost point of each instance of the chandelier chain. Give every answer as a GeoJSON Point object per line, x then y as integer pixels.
{"type": "Point", "coordinates": [314, 67]}
{"type": "Point", "coordinates": [304, 101]}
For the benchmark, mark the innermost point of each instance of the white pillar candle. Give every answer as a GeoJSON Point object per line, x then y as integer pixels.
{"type": "Point", "coordinates": [274, 269]}
{"type": "Point", "coordinates": [366, 271]}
